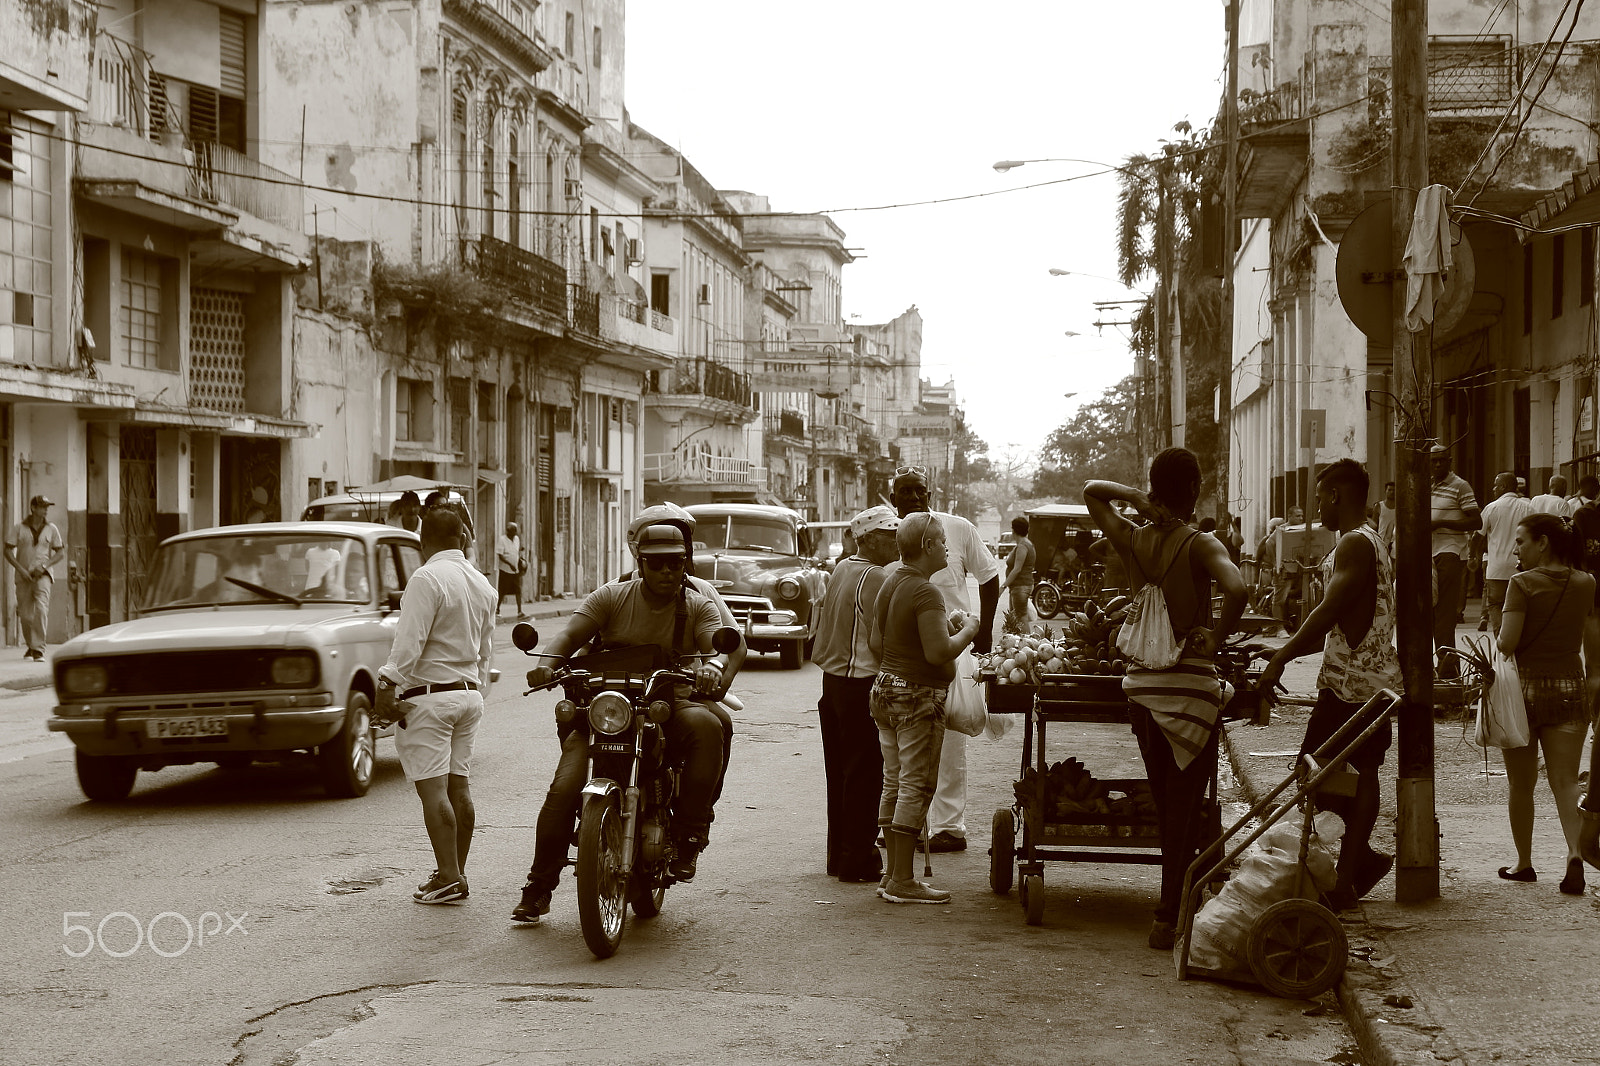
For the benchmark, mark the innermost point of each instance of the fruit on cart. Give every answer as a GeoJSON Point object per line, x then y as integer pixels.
{"type": "Point", "coordinates": [1086, 644]}
{"type": "Point", "coordinates": [1071, 790]}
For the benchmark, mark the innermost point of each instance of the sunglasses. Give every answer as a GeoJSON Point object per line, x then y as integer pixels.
{"type": "Point", "coordinates": [920, 471]}
{"type": "Point", "coordinates": [663, 562]}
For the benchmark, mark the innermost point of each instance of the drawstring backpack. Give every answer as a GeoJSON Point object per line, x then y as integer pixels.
{"type": "Point", "coordinates": [1146, 637]}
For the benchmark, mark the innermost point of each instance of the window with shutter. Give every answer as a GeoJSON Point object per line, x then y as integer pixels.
{"type": "Point", "coordinates": [162, 115]}
{"type": "Point", "coordinates": [231, 37]}
{"type": "Point", "coordinates": [202, 114]}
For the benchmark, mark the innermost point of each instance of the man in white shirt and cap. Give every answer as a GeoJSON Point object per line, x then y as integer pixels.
{"type": "Point", "coordinates": [968, 555]}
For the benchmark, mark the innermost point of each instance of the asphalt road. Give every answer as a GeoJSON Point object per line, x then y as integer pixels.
{"type": "Point", "coordinates": [306, 942]}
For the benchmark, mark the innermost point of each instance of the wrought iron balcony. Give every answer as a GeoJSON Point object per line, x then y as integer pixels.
{"type": "Point", "coordinates": [531, 278]}
{"type": "Point", "coordinates": [706, 378]}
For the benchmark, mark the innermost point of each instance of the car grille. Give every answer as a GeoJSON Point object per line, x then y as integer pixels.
{"type": "Point", "coordinates": [750, 610]}
{"type": "Point", "coordinates": [159, 673]}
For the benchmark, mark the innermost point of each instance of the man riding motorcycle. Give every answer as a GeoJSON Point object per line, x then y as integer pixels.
{"type": "Point", "coordinates": [657, 608]}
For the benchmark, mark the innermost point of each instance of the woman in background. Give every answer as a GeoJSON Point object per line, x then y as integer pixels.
{"type": "Point", "coordinates": [1549, 604]}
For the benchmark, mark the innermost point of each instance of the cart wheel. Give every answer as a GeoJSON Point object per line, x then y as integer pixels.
{"type": "Point", "coordinates": [1033, 898]}
{"type": "Point", "coordinates": [1297, 949]}
{"type": "Point", "coordinates": [1002, 850]}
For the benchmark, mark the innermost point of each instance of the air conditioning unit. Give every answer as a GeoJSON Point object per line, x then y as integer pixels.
{"type": "Point", "coordinates": [574, 189]}
{"type": "Point", "coordinates": [635, 253]}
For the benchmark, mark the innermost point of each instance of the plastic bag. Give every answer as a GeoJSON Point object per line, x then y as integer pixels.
{"type": "Point", "coordinates": [1146, 636]}
{"type": "Point", "coordinates": [1267, 873]}
{"type": "Point", "coordinates": [964, 708]}
{"type": "Point", "coordinates": [1502, 716]}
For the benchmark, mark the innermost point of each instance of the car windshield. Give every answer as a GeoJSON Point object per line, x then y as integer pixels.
{"type": "Point", "coordinates": [259, 568]}
{"type": "Point", "coordinates": [746, 532]}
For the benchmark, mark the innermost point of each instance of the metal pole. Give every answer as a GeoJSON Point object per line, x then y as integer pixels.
{"type": "Point", "coordinates": [1230, 236]}
{"type": "Point", "coordinates": [1417, 826]}
{"type": "Point", "coordinates": [1163, 310]}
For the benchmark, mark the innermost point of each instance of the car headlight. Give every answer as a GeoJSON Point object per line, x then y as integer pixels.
{"type": "Point", "coordinates": [610, 712]}
{"type": "Point", "coordinates": [789, 589]}
{"type": "Point", "coordinates": [84, 679]}
{"type": "Point", "coordinates": [299, 668]}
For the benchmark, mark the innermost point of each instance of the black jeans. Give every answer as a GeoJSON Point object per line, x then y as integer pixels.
{"type": "Point", "coordinates": [1178, 795]}
{"type": "Point", "coordinates": [696, 741]}
{"type": "Point", "coordinates": [1360, 812]}
{"type": "Point", "coordinates": [854, 764]}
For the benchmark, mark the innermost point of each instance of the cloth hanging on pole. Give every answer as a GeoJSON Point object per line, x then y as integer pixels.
{"type": "Point", "coordinates": [1427, 260]}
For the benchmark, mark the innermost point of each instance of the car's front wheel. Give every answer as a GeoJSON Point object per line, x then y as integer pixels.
{"type": "Point", "coordinates": [346, 762]}
{"type": "Point", "coordinates": [106, 778]}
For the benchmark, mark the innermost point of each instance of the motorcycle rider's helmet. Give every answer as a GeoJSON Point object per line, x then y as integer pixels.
{"type": "Point", "coordinates": [669, 514]}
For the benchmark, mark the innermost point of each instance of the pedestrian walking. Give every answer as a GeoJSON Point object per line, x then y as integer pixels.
{"type": "Point", "coordinates": [508, 557]}
{"type": "Point", "coordinates": [1355, 622]}
{"type": "Point", "coordinates": [1286, 571]}
{"type": "Point", "coordinates": [33, 548]}
{"type": "Point", "coordinates": [966, 555]}
{"type": "Point", "coordinates": [843, 651]}
{"type": "Point", "coordinates": [1019, 568]}
{"type": "Point", "coordinates": [918, 640]}
{"type": "Point", "coordinates": [1554, 499]}
{"type": "Point", "coordinates": [1588, 490]}
{"type": "Point", "coordinates": [1455, 514]}
{"type": "Point", "coordinates": [1175, 712]}
{"type": "Point", "coordinates": [1501, 516]}
{"type": "Point", "coordinates": [1548, 606]}
{"type": "Point", "coordinates": [1386, 518]}
{"type": "Point", "coordinates": [435, 684]}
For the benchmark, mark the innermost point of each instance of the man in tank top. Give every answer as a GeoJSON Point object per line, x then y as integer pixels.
{"type": "Point", "coordinates": [1356, 616]}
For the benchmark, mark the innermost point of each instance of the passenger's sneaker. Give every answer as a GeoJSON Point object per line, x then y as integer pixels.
{"type": "Point", "coordinates": [914, 891]}
{"type": "Point", "coordinates": [534, 905]}
{"type": "Point", "coordinates": [685, 854]}
{"type": "Point", "coordinates": [423, 886]}
{"type": "Point", "coordinates": [437, 890]}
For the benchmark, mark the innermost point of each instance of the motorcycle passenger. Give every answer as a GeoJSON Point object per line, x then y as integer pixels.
{"type": "Point", "coordinates": [638, 613]}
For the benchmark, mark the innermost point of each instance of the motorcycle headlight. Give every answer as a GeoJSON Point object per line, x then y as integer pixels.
{"type": "Point", "coordinates": [789, 589]}
{"type": "Point", "coordinates": [610, 712]}
{"type": "Point", "coordinates": [84, 679]}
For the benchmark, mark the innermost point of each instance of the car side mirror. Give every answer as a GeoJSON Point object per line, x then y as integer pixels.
{"type": "Point", "coordinates": [524, 636]}
{"type": "Point", "coordinates": [391, 601]}
{"type": "Point", "coordinates": [725, 639]}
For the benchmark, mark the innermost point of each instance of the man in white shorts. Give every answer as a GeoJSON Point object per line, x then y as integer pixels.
{"type": "Point", "coordinates": [435, 683]}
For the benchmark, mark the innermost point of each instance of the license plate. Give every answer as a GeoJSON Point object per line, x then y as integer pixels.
{"type": "Point", "coordinates": [167, 728]}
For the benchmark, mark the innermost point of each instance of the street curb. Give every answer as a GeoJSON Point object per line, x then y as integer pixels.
{"type": "Point", "coordinates": [26, 684]}
{"type": "Point", "coordinates": [1367, 993]}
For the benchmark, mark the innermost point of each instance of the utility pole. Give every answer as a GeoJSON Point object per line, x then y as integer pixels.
{"type": "Point", "coordinates": [1163, 301]}
{"type": "Point", "coordinates": [1230, 236]}
{"type": "Point", "coordinates": [1417, 826]}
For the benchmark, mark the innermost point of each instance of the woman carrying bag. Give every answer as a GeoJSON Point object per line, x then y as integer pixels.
{"type": "Point", "coordinates": [1548, 605]}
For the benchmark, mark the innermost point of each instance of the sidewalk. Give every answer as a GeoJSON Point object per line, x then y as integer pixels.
{"type": "Point", "coordinates": [1492, 971]}
{"type": "Point", "coordinates": [20, 675]}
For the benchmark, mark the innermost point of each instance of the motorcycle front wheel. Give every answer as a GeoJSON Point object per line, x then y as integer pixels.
{"type": "Point", "coordinates": [602, 886]}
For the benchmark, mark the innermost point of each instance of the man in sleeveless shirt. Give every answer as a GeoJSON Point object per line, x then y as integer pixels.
{"type": "Point", "coordinates": [1356, 616]}
{"type": "Point", "coordinates": [1176, 712]}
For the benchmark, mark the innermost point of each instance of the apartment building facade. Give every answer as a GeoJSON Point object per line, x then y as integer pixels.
{"type": "Point", "coordinates": [1513, 346]}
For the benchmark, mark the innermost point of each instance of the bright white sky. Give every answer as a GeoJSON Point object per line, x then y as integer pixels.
{"type": "Point", "coordinates": [847, 103]}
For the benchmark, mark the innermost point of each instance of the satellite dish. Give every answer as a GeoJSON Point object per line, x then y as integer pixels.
{"type": "Point", "coordinates": [1366, 272]}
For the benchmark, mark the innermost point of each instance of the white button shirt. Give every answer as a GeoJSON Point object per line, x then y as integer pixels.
{"type": "Point", "coordinates": [446, 629]}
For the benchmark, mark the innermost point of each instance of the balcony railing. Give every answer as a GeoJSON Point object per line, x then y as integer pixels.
{"type": "Point", "coordinates": [834, 438]}
{"type": "Point", "coordinates": [706, 378]}
{"type": "Point", "coordinates": [223, 175]}
{"type": "Point", "coordinates": [585, 309]}
{"type": "Point", "coordinates": [530, 278]}
{"type": "Point", "coordinates": [786, 424]}
{"type": "Point", "coordinates": [700, 468]}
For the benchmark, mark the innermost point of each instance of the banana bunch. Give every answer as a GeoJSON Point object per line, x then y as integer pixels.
{"type": "Point", "coordinates": [1137, 802]}
{"type": "Point", "coordinates": [1089, 638]}
{"type": "Point", "coordinates": [1069, 789]}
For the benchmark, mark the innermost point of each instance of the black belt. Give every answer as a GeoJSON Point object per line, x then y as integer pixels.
{"type": "Point", "coordinates": [444, 686]}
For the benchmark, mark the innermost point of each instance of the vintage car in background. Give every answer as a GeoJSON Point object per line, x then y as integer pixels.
{"type": "Point", "coordinates": [761, 559]}
{"type": "Point", "coordinates": [253, 642]}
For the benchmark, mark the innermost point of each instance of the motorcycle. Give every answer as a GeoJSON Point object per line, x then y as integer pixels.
{"type": "Point", "coordinates": [624, 824]}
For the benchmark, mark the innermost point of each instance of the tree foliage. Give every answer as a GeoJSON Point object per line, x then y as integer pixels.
{"type": "Point", "coordinates": [1098, 442]}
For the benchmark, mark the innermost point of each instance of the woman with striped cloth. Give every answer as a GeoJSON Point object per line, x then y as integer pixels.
{"type": "Point", "coordinates": [1175, 712]}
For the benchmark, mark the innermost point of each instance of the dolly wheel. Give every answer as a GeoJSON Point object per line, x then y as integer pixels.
{"type": "Point", "coordinates": [1297, 949]}
{"type": "Point", "coordinates": [1002, 850]}
{"type": "Point", "coordinates": [1033, 898]}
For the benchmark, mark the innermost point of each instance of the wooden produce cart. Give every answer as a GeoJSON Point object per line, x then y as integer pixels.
{"type": "Point", "coordinates": [1031, 832]}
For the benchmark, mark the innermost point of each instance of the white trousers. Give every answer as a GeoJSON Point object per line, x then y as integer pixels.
{"type": "Point", "coordinates": [947, 812]}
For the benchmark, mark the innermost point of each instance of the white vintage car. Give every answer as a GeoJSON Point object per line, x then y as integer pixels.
{"type": "Point", "coordinates": [253, 642]}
